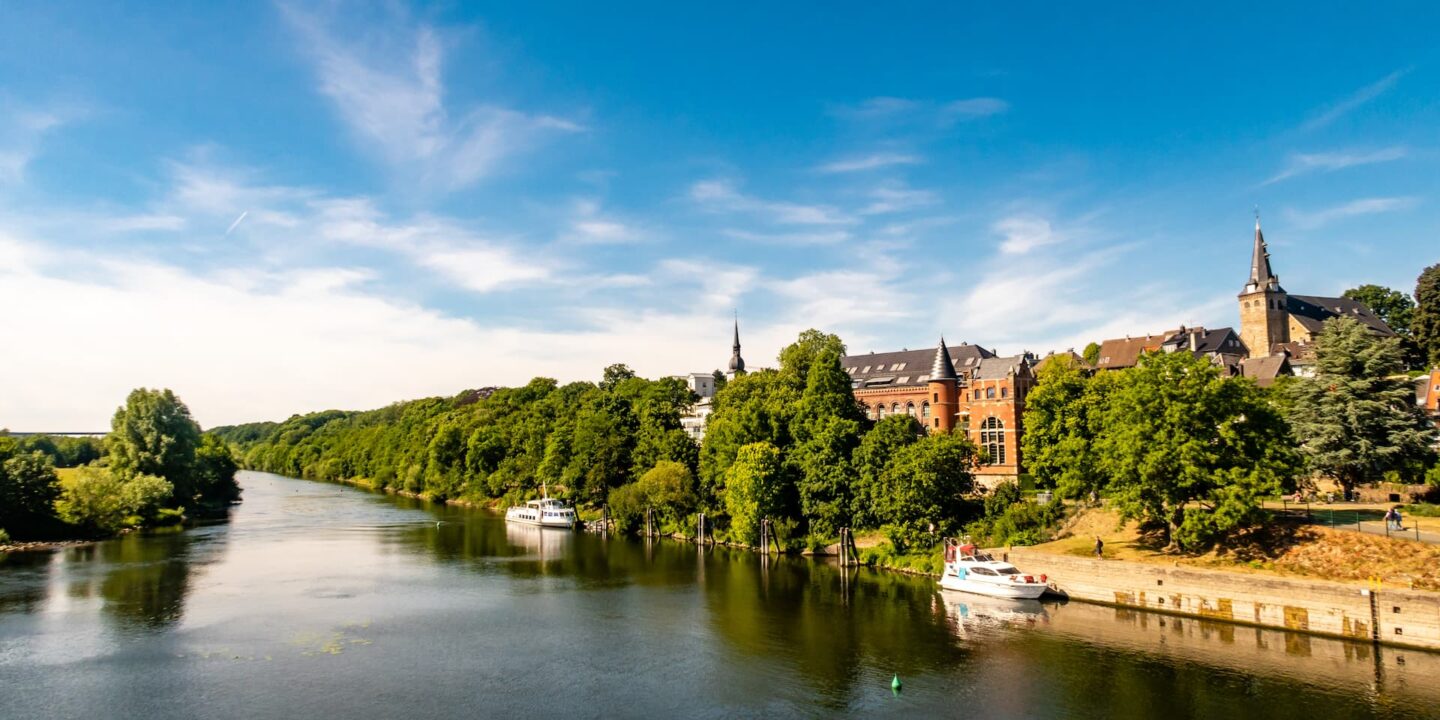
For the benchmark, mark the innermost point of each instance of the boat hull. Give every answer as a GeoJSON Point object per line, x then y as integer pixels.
{"type": "Point", "coordinates": [562, 524]}
{"type": "Point", "coordinates": [1020, 591]}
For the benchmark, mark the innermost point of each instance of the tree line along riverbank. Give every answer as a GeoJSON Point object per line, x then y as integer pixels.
{"type": "Point", "coordinates": [1173, 443]}
{"type": "Point", "coordinates": [155, 467]}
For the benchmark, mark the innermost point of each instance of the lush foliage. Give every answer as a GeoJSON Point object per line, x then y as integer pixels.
{"type": "Point", "coordinates": [1357, 418]}
{"type": "Point", "coordinates": [101, 500]}
{"type": "Point", "coordinates": [1063, 417]}
{"type": "Point", "coordinates": [1010, 519]}
{"type": "Point", "coordinates": [153, 434]}
{"type": "Point", "coordinates": [63, 451]}
{"type": "Point", "coordinates": [1172, 442]}
{"type": "Point", "coordinates": [1190, 450]}
{"type": "Point", "coordinates": [789, 444]}
{"type": "Point", "coordinates": [1425, 321]}
{"type": "Point", "coordinates": [27, 488]}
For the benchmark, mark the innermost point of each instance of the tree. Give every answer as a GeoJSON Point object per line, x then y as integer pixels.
{"type": "Point", "coordinates": [215, 467]}
{"type": "Point", "coordinates": [924, 483]}
{"type": "Point", "coordinates": [28, 488]}
{"type": "Point", "coordinates": [153, 434]}
{"type": "Point", "coordinates": [1062, 417]}
{"type": "Point", "coordinates": [101, 501]}
{"type": "Point", "coordinates": [665, 489]}
{"type": "Point", "coordinates": [1392, 306]}
{"type": "Point", "coordinates": [795, 358]}
{"type": "Point", "coordinates": [755, 407]}
{"type": "Point", "coordinates": [754, 488]}
{"type": "Point", "coordinates": [1092, 354]}
{"type": "Point", "coordinates": [1357, 418]}
{"type": "Point", "coordinates": [826, 428]}
{"type": "Point", "coordinates": [1425, 320]}
{"type": "Point", "coordinates": [876, 450]}
{"type": "Point", "coordinates": [616, 374]}
{"type": "Point", "coordinates": [1190, 450]}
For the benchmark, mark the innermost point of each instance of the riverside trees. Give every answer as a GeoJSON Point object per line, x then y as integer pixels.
{"type": "Point", "coordinates": [789, 444]}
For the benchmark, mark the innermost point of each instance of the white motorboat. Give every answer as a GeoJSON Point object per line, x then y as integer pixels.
{"type": "Point", "coordinates": [545, 512]}
{"type": "Point", "coordinates": [967, 569]}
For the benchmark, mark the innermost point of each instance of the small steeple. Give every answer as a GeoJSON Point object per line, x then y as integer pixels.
{"type": "Point", "coordinates": [737, 363]}
{"type": "Point", "coordinates": [943, 368]}
{"type": "Point", "coordinates": [1261, 276]}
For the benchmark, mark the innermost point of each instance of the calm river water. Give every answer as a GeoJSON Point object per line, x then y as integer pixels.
{"type": "Point", "coordinates": [320, 600]}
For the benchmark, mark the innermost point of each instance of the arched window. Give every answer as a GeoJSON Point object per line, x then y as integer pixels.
{"type": "Point", "coordinates": [992, 438]}
{"type": "Point", "coordinates": [990, 393]}
{"type": "Point", "coordinates": [869, 411]}
{"type": "Point", "coordinates": [925, 410]}
{"type": "Point", "coordinates": [880, 411]}
{"type": "Point", "coordinates": [910, 409]}
{"type": "Point", "coordinates": [1004, 392]}
{"type": "Point", "coordinates": [895, 408]}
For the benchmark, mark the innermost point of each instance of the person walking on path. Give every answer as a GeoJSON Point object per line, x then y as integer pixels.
{"type": "Point", "coordinates": [1099, 547]}
{"type": "Point", "coordinates": [1399, 521]}
{"type": "Point", "coordinates": [1390, 518]}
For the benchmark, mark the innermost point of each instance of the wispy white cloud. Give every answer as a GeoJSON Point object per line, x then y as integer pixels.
{"type": "Point", "coordinates": [1023, 233]}
{"type": "Point", "coordinates": [1313, 219]}
{"type": "Point", "coordinates": [941, 114]}
{"type": "Point", "coordinates": [721, 195]}
{"type": "Point", "coordinates": [589, 224]}
{"type": "Point", "coordinates": [896, 197]}
{"type": "Point", "coordinates": [1301, 163]}
{"type": "Point", "coordinates": [388, 88]}
{"type": "Point", "coordinates": [23, 129]}
{"type": "Point", "coordinates": [870, 162]}
{"type": "Point", "coordinates": [1354, 101]}
{"type": "Point", "coordinates": [824, 237]}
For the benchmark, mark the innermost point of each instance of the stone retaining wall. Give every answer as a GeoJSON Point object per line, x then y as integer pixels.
{"type": "Point", "coordinates": [1393, 616]}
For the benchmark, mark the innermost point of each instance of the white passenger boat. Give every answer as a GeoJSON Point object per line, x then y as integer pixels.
{"type": "Point", "coordinates": [967, 569]}
{"type": "Point", "coordinates": [545, 512]}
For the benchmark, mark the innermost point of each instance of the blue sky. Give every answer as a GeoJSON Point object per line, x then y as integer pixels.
{"type": "Point", "coordinates": [284, 207]}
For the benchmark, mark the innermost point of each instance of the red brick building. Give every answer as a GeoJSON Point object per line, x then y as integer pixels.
{"type": "Point", "coordinates": [965, 388]}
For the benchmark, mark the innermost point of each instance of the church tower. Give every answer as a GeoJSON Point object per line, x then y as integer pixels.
{"type": "Point", "coordinates": [1264, 321]}
{"type": "Point", "coordinates": [737, 363]}
{"type": "Point", "coordinates": [944, 389]}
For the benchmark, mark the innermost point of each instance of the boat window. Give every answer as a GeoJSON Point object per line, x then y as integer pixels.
{"type": "Point", "coordinates": [982, 571]}
{"type": "Point", "coordinates": [1008, 570]}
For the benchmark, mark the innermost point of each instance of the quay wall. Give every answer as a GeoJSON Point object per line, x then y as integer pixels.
{"type": "Point", "coordinates": [1393, 616]}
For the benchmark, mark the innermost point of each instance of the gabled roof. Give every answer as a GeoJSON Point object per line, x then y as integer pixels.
{"type": "Point", "coordinates": [1125, 352]}
{"type": "Point", "coordinates": [1299, 353]}
{"type": "Point", "coordinates": [998, 368]}
{"type": "Point", "coordinates": [1264, 370]}
{"type": "Point", "coordinates": [1311, 311]}
{"type": "Point", "coordinates": [1075, 359]}
{"type": "Point", "coordinates": [909, 367]}
{"type": "Point", "coordinates": [1207, 341]}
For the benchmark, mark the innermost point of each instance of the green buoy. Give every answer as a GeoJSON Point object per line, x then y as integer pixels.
{"type": "Point", "coordinates": [895, 683]}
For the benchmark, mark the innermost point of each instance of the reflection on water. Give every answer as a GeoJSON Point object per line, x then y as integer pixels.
{"type": "Point", "coordinates": [328, 601]}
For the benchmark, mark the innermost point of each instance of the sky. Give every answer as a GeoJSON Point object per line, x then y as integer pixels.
{"type": "Point", "coordinates": [282, 207]}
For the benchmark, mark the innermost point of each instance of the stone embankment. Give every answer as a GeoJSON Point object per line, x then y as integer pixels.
{"type": "Point", "coordinates": [1393, 616]}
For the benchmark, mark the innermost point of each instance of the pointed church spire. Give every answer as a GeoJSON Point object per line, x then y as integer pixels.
{"type": "Point", "coordinates": [943, 368]}
{"type": "Point", "coordinates": [1262, 278]}
{"type": "Point", "coordinates": [737, 363]}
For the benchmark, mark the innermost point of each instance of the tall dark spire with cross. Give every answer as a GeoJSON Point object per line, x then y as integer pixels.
{"type": "Point", "coordinates": [737, 363]}
{"type": "Point", "coordinates": [1262, 278]}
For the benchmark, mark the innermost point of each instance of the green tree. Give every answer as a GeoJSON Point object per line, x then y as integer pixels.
{"type": "Point", "coordinates": [926, 483]}
{"type": "Point", "coordinates": [665, 489]}
{"type": "Point", "coordinates": [1357, 418]}
{"type": "Point", "coordinates": [614, 375]}
{"type": "Point", "coordinates": [796, 358]}
{"type": "Point", "coordinates": [1393, 306]}
{"type": "Point", "coordinates": [1190, 450]}
{"type": "Point", "coordinates": [826, 428]}
{"type": "Point", "coordinates": [1062, 418]}
{"type": "Point", "coordinates": [1092, 354]}
{"type": "Point", "coordinates": [876, 450]}
{"type": "Point", "coordinates": [754, 489]}
{"type": "Point", "coordinates": [28, 488]}
{"type": "Point", "coordinates": [153, 434]}
{"type": "Point", "coordinates": [99, 500]}
{"type": "Point", "coordinates": [755, 407]}
{"type": "Point", "coordinates": [215, 467]}
{"type": "Point", "coordinates": [1425, 320]}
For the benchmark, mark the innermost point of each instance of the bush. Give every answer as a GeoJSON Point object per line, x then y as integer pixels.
{"type": "Point", "coordinates": [1011, 520]}
{"type": "Point", "coordinates": [4, 537]}
{"type": "Point", "coordinates": [96, 499]}
{"type": "Point", "coordinates": [663, 488]}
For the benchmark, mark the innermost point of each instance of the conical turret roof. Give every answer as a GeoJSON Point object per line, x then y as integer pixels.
{"type": "Point", "coordinates": [1261, 276]}
{"type": "Point", "coordinates": [943, 368]}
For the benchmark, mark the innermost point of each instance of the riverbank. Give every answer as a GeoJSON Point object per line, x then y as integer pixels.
{"type": "Point", "coordinates": [44, 546]}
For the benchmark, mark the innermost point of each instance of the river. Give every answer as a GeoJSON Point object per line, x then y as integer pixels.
{"type": "Point", "coordinates": [320, 600]}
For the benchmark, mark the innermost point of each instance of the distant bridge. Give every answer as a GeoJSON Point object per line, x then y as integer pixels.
{"type": "Point", "coordinates": [19, 433]}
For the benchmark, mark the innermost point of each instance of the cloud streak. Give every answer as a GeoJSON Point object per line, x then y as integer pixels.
{"type": "Point", "coordinates": [1358, 99]}
{"type": "Point", "coordinates": [388, 89]}
{"type": "Point", "coordinates": [1316, 219]}
{"type": "Point", "coordinates": [869, 162]}
{"type": "Point", "coordinates": [1302, 163]}
{"type": "Point", "coordinates": [721, 196]}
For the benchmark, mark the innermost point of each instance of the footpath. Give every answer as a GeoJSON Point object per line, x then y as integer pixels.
{"type": "Point", "coordinates": [1364, 518]}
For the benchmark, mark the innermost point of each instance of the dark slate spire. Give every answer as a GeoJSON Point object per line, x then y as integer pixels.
{"type": "Point", "coordinates": [943, 368]}
{"type": "Point", "coordinates": [737, 363]}
{"type": "Point", "coordinates": [1261, 277]}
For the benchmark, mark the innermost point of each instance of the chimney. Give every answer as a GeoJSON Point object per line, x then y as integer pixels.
{"type": "Point", "coordinates": [1194, 341]}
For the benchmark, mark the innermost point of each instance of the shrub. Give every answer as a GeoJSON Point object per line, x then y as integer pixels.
{"type": "Point", "coordinates": [4, 537]}
{"type": "Point", "coordinates": [97, 499]}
